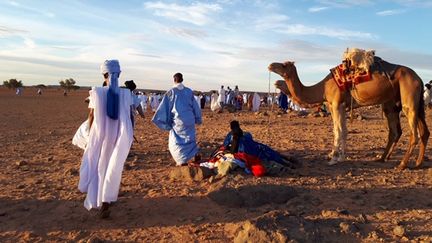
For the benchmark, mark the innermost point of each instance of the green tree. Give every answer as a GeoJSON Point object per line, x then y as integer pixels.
{"type": "Point", "coordinates": [13, 83]}
{"type": "Point", "coordinates": [41, 86]}
{"type": "Point", "coordinates": [69, 84]}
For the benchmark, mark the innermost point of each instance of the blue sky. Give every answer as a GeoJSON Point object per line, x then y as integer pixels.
{"type": "Point", "coordinates": [210, 42]}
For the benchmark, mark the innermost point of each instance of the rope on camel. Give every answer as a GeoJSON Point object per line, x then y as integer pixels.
{"type": "Point", "coordinates": [271, 109]}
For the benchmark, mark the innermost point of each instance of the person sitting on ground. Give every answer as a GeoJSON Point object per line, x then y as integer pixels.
{"type": "Point", "coordinates": [259, 158]}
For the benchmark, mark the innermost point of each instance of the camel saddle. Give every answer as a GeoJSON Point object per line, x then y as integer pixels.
{"type": "Point", "coordinates": [345, 76]}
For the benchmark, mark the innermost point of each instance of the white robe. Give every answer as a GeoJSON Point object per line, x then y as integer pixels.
{"type": "Point", "coordinates": [143, 102]}
{"type": "Point", "coordinates": [221, 97]}
{"type": "Point", "coordinates": [256, 102]}
{"type": "Point", "coordinates": [197, 99]}
{"type": "Point", "coordinates": [154, 102]}
{"type": "Point", "coordinates": [427, 96]}
{"type": "Point", "coordinates": [81, 136]}
{"type": "Point", "coordinates": [214, 103]}
{"type": "Point", "coordinates": [106, 152]}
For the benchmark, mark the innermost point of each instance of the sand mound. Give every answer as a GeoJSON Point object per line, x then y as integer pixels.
{"type": "Point", "coordinates": [189, 174]}
{"type": "Point", "coordinates": [276, 226]}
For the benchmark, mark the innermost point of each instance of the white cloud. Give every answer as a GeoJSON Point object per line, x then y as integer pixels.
{"type": "Point", "coordinates": [8, 31]}
{"type": "Point", "coordinates": [300, 29]}
{"type": "Point", "coordinates": [271, 21]}
{"type": "Point", "coordinates": [187, 33]}
{"type": "Point", "coordinates": [345, 3]}
{"type": "Point", "coordinates": [30, 9]}
{"type": "Point", "coordinates": [390, 12]}
{"type": "Point", "coordinates": [317, 9]}
{"type": "Point", "coordinates": [293, 50]}
{"type": "Point", "coordinates": [139, 37]}
{"type": "Point", "coordinates": [29, 43]}
{"type": "Point", "coordinates": [196, 13]}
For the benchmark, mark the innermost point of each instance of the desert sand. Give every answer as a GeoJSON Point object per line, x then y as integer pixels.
{"type": "Point", "coordinates": [359, 200]}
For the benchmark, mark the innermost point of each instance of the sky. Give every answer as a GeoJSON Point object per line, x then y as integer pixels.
{"type": "Point", "coordinates": [213, 43]}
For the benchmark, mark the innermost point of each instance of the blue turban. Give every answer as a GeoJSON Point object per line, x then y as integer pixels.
{"type": "Point", "coordinates": [112, 67]}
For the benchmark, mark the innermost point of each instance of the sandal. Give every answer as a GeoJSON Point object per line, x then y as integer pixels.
{"type": "Point", "coordinates": [104, 211]}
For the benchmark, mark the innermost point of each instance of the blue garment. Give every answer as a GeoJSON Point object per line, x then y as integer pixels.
{"type": "Point", "coordinates": [112, 67]}
{"type": "Point", "coordinates": [283, 101]}
{"type": "Point", "coordinates": [249, 146]}
{"type": "Point", "coordinates": [178, 113]}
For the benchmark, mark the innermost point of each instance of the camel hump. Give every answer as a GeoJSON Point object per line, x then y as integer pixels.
{"type": "Point", "coordinates": [359, 59]}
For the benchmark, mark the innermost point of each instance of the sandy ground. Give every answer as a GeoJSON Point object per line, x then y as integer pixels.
{"type": "Point", "coordinates": [355, 201]}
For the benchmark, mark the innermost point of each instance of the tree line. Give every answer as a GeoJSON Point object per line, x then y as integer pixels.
{"type": "Point", "coordinates": [67, 84]}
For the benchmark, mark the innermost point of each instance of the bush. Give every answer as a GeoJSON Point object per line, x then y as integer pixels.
{"type": "Point", "coordinates": [13, 83]}
{"type": "Point", "coordinates": [69, 84]}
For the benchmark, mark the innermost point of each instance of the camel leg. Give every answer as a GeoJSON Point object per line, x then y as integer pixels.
{"type": "Point", "coordinates": [335, 150]}
{"type": "Point", "coordinates": [411, 115]}
{"type": "Point", "coordinates": [391, 114]}
{"type": "Point", "coordinates": [344, 134]}
{"type": "Point", "coordinates": [339, 132]}
{"type": "Point", "coordinates": [424, 136]}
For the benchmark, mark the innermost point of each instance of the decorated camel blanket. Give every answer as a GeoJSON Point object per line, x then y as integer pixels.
{"type": "Point", "coordinates": [355, 68]}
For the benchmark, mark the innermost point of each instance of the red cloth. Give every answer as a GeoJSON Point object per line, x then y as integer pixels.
{"type": "Point", "coordinates": [344, 82]}
{"type": "Point", "coordinates": [258, 170]}
{"type": "Point", "coordinates": [252, 162]}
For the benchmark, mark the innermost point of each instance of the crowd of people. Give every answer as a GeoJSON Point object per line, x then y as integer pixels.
{"type": "Point", "coordinates": [107, 135]}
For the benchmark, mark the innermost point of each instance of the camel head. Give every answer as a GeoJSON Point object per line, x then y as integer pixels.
{"type": "Point", "coordinates": [281, 84]}
{"type": "Point", "coordinates": [283, 69]}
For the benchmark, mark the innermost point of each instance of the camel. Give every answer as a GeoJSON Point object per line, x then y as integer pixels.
{"type": "Point", "coordinates": [393, 86]}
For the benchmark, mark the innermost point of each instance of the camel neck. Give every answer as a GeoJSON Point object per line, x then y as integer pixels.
{"type": "Point", "coordinates": [305, 96]}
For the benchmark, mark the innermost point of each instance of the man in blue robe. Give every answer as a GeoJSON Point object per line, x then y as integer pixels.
{"type": "Point", "coordinates": [283, 101]}
{"type": "Point", "coordinates": [178, 113]}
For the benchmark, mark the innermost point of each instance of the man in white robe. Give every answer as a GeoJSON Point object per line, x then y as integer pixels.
{"type": "Point", "coordinates": [154, 103]}
{"type": "Point", "coordinates": [143, 101]}
{"type": "Point", "coordinates": [214, 103]}
{"type": "Point", "coordinates": [221, 98]}
{"type": "Point", "coordinates": [427, 95]}
{"type": "Point", "coordinates": [178, 113]}
{"type": "Point", "coordinates": [110, 139]}
{"type": "Point", "coordinates": [256, 102]}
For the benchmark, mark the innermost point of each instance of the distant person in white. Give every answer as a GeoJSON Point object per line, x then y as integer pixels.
{"type": "Point", "coordinates": [154, 101]}
{"type": "Point", "coordinates": [110, 139]}
{"type": "Point", "coordinates": [221, 98]}
{"type": "Point", "coordinates": [143, 98]}
{"type": "Point", "coordinates": [214, 102]}
{"type": "Point", "coordinates": [256, 102]}
{"type": "Point", "coordinates": [427, 95]}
